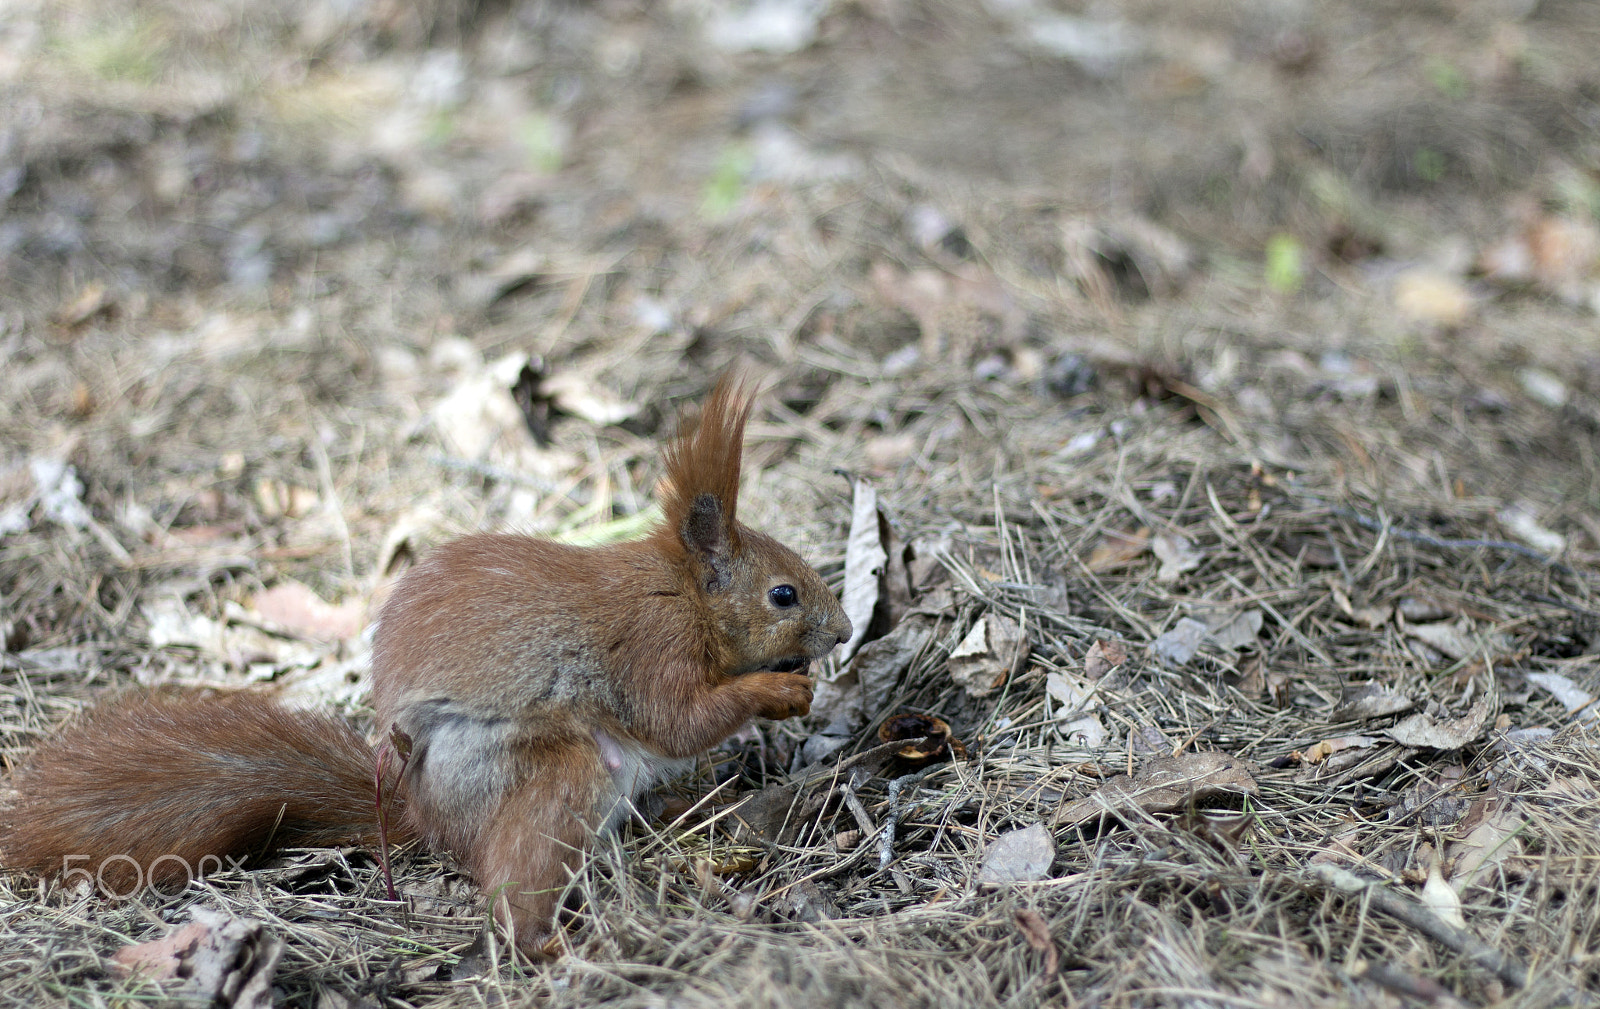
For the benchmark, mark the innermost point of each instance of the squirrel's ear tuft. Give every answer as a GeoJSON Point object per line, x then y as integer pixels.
{"type": "Point", "coordinates": [703, 473]}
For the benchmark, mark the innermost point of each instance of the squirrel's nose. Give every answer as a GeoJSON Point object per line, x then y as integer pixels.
{"type": "Point", "coordinates": [841, 629]}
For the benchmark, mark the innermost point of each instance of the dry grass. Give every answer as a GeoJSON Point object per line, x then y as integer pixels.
{"type": "Point", "coordinates": [1327, 459]}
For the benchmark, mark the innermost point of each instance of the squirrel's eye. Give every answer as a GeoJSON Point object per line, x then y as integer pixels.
{"type": "Point", "coordinates": [784, 596]}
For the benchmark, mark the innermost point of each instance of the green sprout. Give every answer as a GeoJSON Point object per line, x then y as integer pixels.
{"type": "Point", "coordinates": [726, 187]}
{"type": "Point", "coordinates": [1286, 263]}
{"type": "Point", "coordinates": [1429, 164]}
{"type": "Point", "coordinates": [541, 138]}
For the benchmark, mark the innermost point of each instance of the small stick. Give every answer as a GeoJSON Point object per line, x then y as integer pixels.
{"type": "Point", "coordinates": [400, 743]}
{"type": "Point", "coordinates": [892, 818]}
{"type": "Point", "coordinates": [1443, 543]}
{"type": "Point", "coordinates": [1409, 912]}
{"type": "Point", "coordinates": [847, 789]}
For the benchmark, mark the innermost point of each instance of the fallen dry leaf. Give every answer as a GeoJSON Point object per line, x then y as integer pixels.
{"type": "Point", "coordinates": [59, 495]}
{"type": "Point", "coordinates": [170, 622]}
{"type": "Point", "coordinates": [1432, 297]}
{"type": "Point", "coordinates": [1162, 259]}
{"type": "Point", "coordinates": [1453, 639]}
{"type": "Point", "coordinates": [1076, 726]}
{"type": "Point", "coordinates": [1177, 646]}
{"type": "Point", "coordinates": [1163, 785]}
{"type": "Point", "coordinates": [1363, 616]}
{"type": "Point", "coordinates": [772, 816]}
{"type": "Point", "coordinates": [1438, 897]}
{"type": "Point", "coordinates": [480, 410]}
{"type": "Point", "coordinates": [1176, 554]}
{"type": "Point", "coordinates": [1318, 752]}
{"type": "Point", "coordinates": [1423, 609]}
{"type": "Point", "coordinates": [1370, 700]}
{"type": "Point", "coordinates": [944, 302]}
{"type": "Point", "coordinates": [1147, 739]}
{"type": "Point", "coordinates": [295, 608]}
{"type": "Point", "coordinates": [1572, 697]}
{"type": "Point", "coordinates": [160, 959]}
{"type": "Point", "coordinates": [1102, 657]}
{"type": "Point", "coordinates": [1521, 523]}
{"type": "Point", "coordinates": [896, 594]}
{"type": "Point", "coordinates": [1277, 684]}
{"type": "Point", "coordinates": [1492, 824]}
{"type": "Point", "coordinates": [1372, 616]}
{"type": "Point", "coordinates": [216, 960]}
{"type": "Point", "coordinates": [859, 690]}
{"type": "Point", "coordinates": [866, 558]}
{"type": "Point", "coordinates": [1425, 730]}
{"type": "Point", "coordinates": [480, 420]}
{"type": "Point", "coordinates": [808, 903]}
{"type": "Point", "coordinates": [582, 396]}
{"type": "Point", "coordinates": [986, 656]}
{"type": "Point", "coordinates": [1117, 550]}
{"type": "Point", "coordinates": [1037, 932]}
{"type": "Point", "coordinates": [1235, 630]}
{"type": "Point", "coordinates": [277, 499]}
{"type": "Point", "coordinates": [1341, 846]}
{"type": "Point", "coordinates": [1545, 386]}
{"type": "Point", "coordinates": [91, 301]}
{"type": "Point", "coordinates": [1252, 677]}
{"type": "Point", "coordinates": [887, 452]}
{"type": "Point", "coordinates": [1021, 855]}
{"type": "Point", "coordinates": [1559, 255]}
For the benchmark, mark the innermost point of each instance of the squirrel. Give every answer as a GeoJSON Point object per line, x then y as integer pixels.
{"type": "Point", "coordinates": [533, 688]}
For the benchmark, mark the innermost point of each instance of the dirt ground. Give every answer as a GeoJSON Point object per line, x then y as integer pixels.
{"type": "Point", "coordinates": [1227, 373]}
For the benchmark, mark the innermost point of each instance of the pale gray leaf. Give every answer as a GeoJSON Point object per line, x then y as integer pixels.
{"type": "Point", "coordinates": [1370, 700]}
{"type": "Point", "coordinates": [1074, 724]}
{"type": "Point", "coordinates": [1424, 730]}
{"type": "Point", "coordinates": [1572, 697]}
{"type": "Point", "coordinates": [1452, 639]}
{"type": "Point", "coordinates": [1234, 631]}
{"type": "Point", "coordinates": [1176, 555]}
{"type": "Point", "coordinates": [1178, 645]}
{"type": "Point", "coordinates": [1018, 856]}
{"type": "Point", "coordinates": [864, 561]}
{"type": "Point", "coordinates": [986, 656]}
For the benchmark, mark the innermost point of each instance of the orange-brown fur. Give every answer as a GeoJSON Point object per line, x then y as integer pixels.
{"type": "Point", "coordinates": [188, 775]}
{"type": "Point", "coordinates": [541, 686]}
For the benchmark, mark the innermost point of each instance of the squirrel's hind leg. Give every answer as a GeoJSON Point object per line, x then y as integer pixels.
{"type": "Point", "coordinates": [535, 840]}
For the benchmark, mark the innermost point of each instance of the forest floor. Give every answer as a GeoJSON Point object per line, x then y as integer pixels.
{"type": "Point", "coordinates": [1228, 375]}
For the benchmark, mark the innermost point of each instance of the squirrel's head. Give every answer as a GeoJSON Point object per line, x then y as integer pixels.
{"type": "Point", "coordinates": [770, 609]}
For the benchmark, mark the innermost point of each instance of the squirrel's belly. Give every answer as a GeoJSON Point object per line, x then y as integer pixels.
{"type": "Point", "coordinates": [633, 768]}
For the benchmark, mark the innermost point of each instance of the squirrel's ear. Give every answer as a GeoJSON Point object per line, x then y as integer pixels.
{"type": "Point", "coordinates": [706, 535]}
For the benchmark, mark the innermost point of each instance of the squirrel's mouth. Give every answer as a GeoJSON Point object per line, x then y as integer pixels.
{"type": "Point", "coordinates": [791, 665]}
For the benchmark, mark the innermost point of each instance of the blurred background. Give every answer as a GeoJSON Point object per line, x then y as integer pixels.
{"type": "Point", "coordinates": [256, 254]}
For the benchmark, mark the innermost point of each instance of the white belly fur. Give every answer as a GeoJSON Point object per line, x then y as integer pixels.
{"type": "Point", "coordinates": [633, 769]}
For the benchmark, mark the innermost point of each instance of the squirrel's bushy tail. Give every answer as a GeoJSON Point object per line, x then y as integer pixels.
{"type": "Point", "coordinates": [157, 788]}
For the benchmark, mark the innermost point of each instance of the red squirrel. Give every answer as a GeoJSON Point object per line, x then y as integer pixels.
{"type": "Point", "coordinates": [540, 688]}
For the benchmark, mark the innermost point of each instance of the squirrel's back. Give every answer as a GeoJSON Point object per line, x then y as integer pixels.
{"type": "Point", "coordinates": [552, 621]}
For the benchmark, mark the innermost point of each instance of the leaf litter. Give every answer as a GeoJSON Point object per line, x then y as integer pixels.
{"type": "Point", "coordinates": [1278, 593]}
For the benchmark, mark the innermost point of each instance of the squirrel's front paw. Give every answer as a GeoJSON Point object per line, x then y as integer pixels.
{"type": "Point", "coordinates": [784, 695]}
